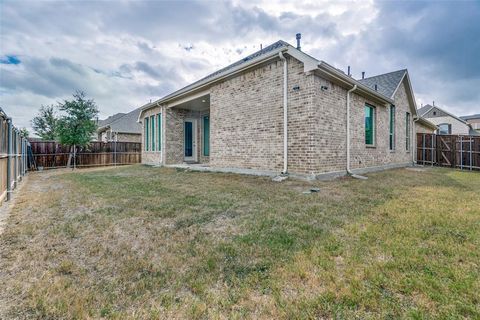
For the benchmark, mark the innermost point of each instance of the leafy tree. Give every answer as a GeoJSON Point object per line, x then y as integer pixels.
{"type": "Point", "coordinates": [77, 125]}
{"type": "Point", "coordinates": [45, 123]}
{"type": "Point", "coordinates": [24, 133]}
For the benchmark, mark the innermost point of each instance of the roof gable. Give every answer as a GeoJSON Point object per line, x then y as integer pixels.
{"type": "Point", "coordinates": [428, 108]}
{"type": "Point", "coordinates": [387, 83]}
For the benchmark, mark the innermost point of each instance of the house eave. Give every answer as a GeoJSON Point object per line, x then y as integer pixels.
{"type": "Point", "coordinates": [427, 123]}
{"type": "Point", "coordinates": [347, 81]}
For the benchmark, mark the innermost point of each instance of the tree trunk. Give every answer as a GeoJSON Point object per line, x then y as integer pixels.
{"type": "Point", "coordinates": [70, 157]}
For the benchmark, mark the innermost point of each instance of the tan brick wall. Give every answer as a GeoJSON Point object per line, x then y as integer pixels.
{"type": "Point", "coordinates": [246, 119]}
{"type": "Point", "coordinates": [129, 137]}
{"type": "Point", "coordinates": [458, 127]}
{"type": "Point", "coordinates": [363, 156]}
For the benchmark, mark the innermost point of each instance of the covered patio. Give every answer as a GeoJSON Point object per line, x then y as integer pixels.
{"type": "Point", "coordinates": [187, 131]}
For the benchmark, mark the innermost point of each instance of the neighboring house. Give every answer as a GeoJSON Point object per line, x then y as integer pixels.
{"type": "Point", "coordinates": [235, 118]}
{"type": "Point", "coordinates": [474, 121]}
{"type": "Point", "coordinates": [121, 127]}
{"type": "Point", "coordinates": [447, 123]}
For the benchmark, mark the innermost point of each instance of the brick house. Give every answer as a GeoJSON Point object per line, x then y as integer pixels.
{"type": "Point", "coordinates": [447, 123]}
{"type": "Point", "coordinates": [235, 118]}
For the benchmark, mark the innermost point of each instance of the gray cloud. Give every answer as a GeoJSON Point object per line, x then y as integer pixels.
{"type": "Point", "coordinates": [125, 53]}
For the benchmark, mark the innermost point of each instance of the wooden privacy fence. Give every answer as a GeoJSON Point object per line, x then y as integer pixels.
{"type": "Point", "coordinates": [51, 154]}
{"type": "Point", "coordinates": [455, 151]}
{"type": "Point", "coordinates": [13, 156]}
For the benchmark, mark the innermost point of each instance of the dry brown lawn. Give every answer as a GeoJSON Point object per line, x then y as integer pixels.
{"type": "Point", "coordinates": [155, 243]}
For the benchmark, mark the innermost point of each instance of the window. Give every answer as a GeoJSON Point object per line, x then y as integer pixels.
{"type": "Point", "coordinates": [146, 133]}
{"type": "Point", "coordinates": [407, 131]}
{"type": "Point", "coordinates": [159, 133]}
{"type": "Point", "coordinates": [444, 128]}
{"type": "Point", "coordinates": [206, 136]}
{"type": "Point", "coordinates": [392, 127]}
{"type": "Point", "coordinates": [152, 125]}
{"type": "Point", "coordinates": [369, 125]}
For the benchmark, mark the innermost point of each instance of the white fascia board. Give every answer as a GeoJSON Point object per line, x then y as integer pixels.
{"type": "Point", "coordinates": [309, 63]}
{"type": "Point", "coordinates": [428, 123]}
{"type": "Point", "coordinates": [187, 98]}
{"type": "Point", "coordinates": [332, 71]}
{"type": "Point", "coordinates": [406, 77]}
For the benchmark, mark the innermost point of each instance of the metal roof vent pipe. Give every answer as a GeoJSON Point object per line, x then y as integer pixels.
{"type": "Point", "coordinates": [363, 74]}
{"type": "Point", "coordinates": [376, 87]}
{"type": "Point", "coordinates": [348, 71]}
{"type": "Point", "coordinates": [299, 36]}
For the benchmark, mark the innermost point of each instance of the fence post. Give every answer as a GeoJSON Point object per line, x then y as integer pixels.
{"type": "Point", "coordinates": [432, 150]}
{"type": "Point", "coordinates": [423, 149]}
{"type": "Point", "coordinates": [471, 153]}
{"type": "Point", "coordinates": [74, 156]}
{"type": "Point", "coordinates": [461, 152]}
{"type": "Point", "coordinates": [9, 159]}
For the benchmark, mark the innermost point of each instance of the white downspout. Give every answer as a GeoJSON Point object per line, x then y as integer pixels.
{"type": "Point", "coordinates": [285, 114]}
{"type": "Point", "coordinates": [162, 136]}
{"type": "Point", "coordinates": [356, 176]}
{"type": "Point", "coordinates": [414, 139]}
{"type": "Point", "coordinates": [348, 128]}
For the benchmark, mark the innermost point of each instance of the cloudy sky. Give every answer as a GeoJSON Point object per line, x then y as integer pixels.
{"type": "Point", "coordinates": [124, 53]}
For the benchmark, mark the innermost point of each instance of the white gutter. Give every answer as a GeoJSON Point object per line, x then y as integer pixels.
{"type": "Point", "coordinates": [348, 127]}
{"type": "Point", "coordinates": [285, 114]}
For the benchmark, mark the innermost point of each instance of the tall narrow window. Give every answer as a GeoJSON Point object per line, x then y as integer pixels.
{"type": "Point", "coordinates": [152, 125]}
{"type": "Point", "coordinates": [369, 125]}
{"type": "Point", "coordinates": [206, 136]}
{"type": "Point", "coordinates": [159, 133]}
{"type": "Point", "coordinates": [392, 127]}
{"type": "Point", "coordinates": [146, 133]}
{"type": "Point", "coordinates": [407, 131]}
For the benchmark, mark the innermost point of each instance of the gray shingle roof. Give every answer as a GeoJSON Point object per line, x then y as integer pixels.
{"type": "Point", "coordinates": [421, 111]}
{"type": "Point", "coordinates": [125, 124]}
{"type": "Point", "coordinates": [386, 83]}
{"type": "Point", "coordinates": [110, 119]}
{"type": "Point", "coordinates": [473, 116]}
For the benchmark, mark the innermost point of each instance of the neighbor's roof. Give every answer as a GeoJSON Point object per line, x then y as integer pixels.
{"type": "Point", "coordinates": [110, 119]}
{"type": "Point", "coordinates": [387, 83]}
{"type": "Point", "coordinates": [473, 116]}
{"type": "Point", "coordinates": [125, 124]}
{"type": "Point", "coordinates": [423, 110]}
